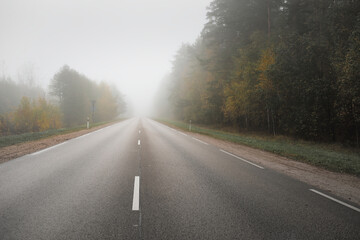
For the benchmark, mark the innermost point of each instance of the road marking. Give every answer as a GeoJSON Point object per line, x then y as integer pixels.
{"type": "Point", "coordinates": [241, 159]}
{"type": "Point", "coordinates": [335, 200]}
{"type": "Point", "coordinates": [182, 133]}
{"type": "Point", "coordinates": [172, 129]}
{"type": "Point", "coordinates": [83, 136]}
{"type": "Point", "coordinates": [47, 149]}
{"type": "Point", "coordinates": [139, 131]}
{"type": "Point", "coordinates": [200, 141]}
{"type": "Point", "coordinates": [138, 142]}
{"type": "Point", "coordinates": [136, 196]}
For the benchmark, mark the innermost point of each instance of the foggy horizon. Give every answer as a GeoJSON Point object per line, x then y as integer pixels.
{"type": "Point", "coordinates": [130, 44]}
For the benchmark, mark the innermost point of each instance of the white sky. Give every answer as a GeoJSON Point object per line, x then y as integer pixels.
{"type": "Point", "coordinates": [127, 42]}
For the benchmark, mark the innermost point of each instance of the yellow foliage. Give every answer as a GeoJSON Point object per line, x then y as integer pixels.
{"type": "Point", "coordinates": [106, 103]}
{"type": "Point", "coordinates": [267, 59]}
{"type": "Point", "coordinates": [46, 116]}
{"type": "Point", "coordinates": [38, 116]}
{"type": "Point", "coordinates": [23, 116]}
{"type": "Point", "coordinates": [237, 100]}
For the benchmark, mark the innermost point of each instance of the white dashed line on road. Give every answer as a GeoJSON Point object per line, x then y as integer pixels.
{"type": "Point", "coordinates": [136, 196]}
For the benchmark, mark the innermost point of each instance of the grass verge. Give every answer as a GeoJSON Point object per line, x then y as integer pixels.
{"type": "Point", "coordinates": [329, 156]}
{"type": "Point", "coordinates": [26, 137]}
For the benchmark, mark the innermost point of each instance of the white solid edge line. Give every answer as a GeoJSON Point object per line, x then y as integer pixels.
{"type": "Point", "coordinates": [47, 149]}
{"type": "Point", "coordinates": [167, 127]}
{"type": "Point", "coordinates": [335, 200]}
{"type": "Point", "coordinates": [200, 141]}
{"type": "Point", "coordinates": [87, 134]}
{"type": "Point", "coordinates": [182, 133]}
{"type": "Point", "coordinates": [241, 159]}
{"type": "Point", "coordinates": [136, 196]}
{"type": "Point", "coordinates": [163, 125]}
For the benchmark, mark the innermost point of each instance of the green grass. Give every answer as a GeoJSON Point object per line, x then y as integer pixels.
{"type": "Point", "coordinates": [26, 137]}
{"type": "Point", "coordinates": [329, 156]}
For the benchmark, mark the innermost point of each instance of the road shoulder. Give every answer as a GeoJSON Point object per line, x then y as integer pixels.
{"type": "Point", "coordinates": [342, 185]}
{"type": "Point", "coordinates": [18, 150]}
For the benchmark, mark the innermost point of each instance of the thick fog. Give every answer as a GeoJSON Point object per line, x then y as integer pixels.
{"type": "Point", "coordinates": [127, 42]}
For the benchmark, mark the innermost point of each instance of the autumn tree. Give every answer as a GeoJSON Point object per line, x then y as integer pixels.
{"type": "Point", "coordinates": [287, 67]}
{"type": "Point", "coordinates": [45, 116]}
{"type": "Point", "coordinates": [11, 93]}
{"type": "Point", "coordinates": [106, 103]}
{"type": "Point", "coordinates": [23, 116]}
{"type": "Point", "coordinates": [80, 98]}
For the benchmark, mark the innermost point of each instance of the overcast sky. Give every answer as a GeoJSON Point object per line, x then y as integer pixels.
{"type": "Point", "coordinates": [127, 42]}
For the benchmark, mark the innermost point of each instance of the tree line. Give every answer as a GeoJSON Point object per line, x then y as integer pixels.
{"type": "Point", "coordinates": [73, 98]}
{"type": "Point", "coordinates": [287, 67]}
{"type": "Point", "coordinates": [79, 98]}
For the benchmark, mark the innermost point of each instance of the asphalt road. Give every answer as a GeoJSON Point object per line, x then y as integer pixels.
{"type": "Point", "coordinates": [139, 179]}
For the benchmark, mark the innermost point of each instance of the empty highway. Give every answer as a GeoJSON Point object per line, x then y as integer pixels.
{"type": "Point", "coordinates": [139, 179]}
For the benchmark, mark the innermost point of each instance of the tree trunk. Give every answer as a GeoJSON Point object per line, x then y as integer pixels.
{"type": "Point", "coordinates": [356, 123]}
{"type": "Point", "coordinates": [246, 121]}
{"type": "Point", "coordinates": [357, 134]}
{"type": "Point", "coordinates": [269, 22]}
{"type": "Point", "coordinates": [268, 118]}
{"type": "Point", "coordinates": [273, 122]}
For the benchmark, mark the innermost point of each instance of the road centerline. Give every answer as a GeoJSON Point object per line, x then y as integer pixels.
{"type": "Point", "coordinates": [136, 195]}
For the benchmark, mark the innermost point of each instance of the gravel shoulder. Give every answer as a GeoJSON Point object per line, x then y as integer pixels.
{"type": "Point", "coordinates": [18, 150]}
{"type": "Point", "coordinates": [342, 185]}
